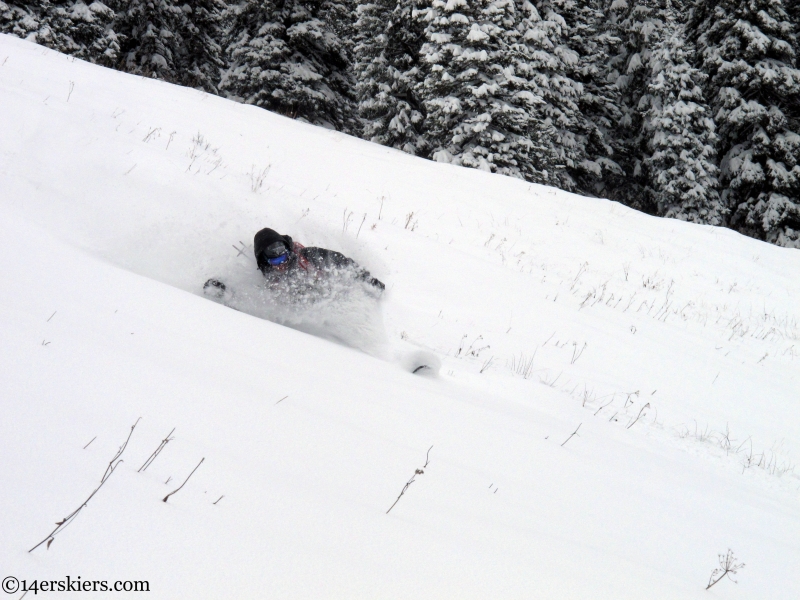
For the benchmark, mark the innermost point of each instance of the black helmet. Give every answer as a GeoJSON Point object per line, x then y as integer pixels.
{"type": "Point", "coordinates": [268, 243]}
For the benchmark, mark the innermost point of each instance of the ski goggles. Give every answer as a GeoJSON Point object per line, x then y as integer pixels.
{"type": "Point", "coordinates": [278, 260]}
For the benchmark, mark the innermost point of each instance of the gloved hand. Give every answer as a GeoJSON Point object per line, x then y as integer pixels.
{"type": "Point", "coordinates": [376, 283]}
{"type": "Point", "coordinates": [214, 288]}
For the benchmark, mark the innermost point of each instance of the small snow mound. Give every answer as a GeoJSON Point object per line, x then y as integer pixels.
{"type": "Point", "coordinates": [421, 362]}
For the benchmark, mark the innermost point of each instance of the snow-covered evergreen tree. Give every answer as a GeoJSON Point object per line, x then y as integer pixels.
{"type": "Point", "coordinates": [748, 50]}
{"type": "Point", "coordinates": [639, 24]}
{"type": "Point", "coordinates": [340, 17]}
{"type": "Point", "coordinates": [792, 8]}
{"type": "Point", "coordinates": [480, 112]}
{"type": "Point", "coordinates": [92, 29]}
{"type": "Point", "coordinates": [29, 19]}
{"type": "Point", "coordinates": [543, 56]}
{"type": "Point", "coordinates": [153, 45]}
{"type": "Point", "coordinates": [387, 72]}
{"type": "Point", "coordinates": [287, 57]}
{"type": "Point", "coordinates": [679, 133]}
{"type": "Point", "coordinates": [589, 36]}
{"type": "Point", "coordinates": [11, 19]}
{"type": "Point", "coordinates": [172, 40]}
{"type": "Point", "coordinates": [70, 26]}
{"type": "Point", "coordinates": [203, 34]}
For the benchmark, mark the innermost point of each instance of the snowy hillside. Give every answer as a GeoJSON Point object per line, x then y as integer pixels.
{"type": "Point", "coordinates": [673, 349]}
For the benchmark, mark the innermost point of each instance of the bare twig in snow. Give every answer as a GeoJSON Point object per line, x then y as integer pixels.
{"type": "Point", "coordinates": [523, 365]}
{"type": "Point", "coordinates": [580, 272]}
{"type": "Point", "coordinates": [69, 518]}
{"type": "Point", "coordinates": [116, 460]}
{"type": "Point", "coordinates": [151, 133]}
{"type": "Point", "coordinates": [420, 471]}
{"type": "Point", "coordinates": [157, 451]}
{"type": "Point", "coordinates": [551, 384]}
{"type": "Point", "coordinates": [112, 466]}
{"type": "Point", "coordinates": [637, 416]}
{"type": "Point", "coordinates": [362, 224]}
{"type": "Point", "coordinates": [572, 434]}
{"type": "Point", "coordinates": [184, 483]}
{"type": "Point", "coordinates": [257, 177]}
{"type": "Point", "coordinates": [487, 364]}
{"type": "Point", "coordinates": [727, 565]}
{"type": "Point", "coordinates": [576, 354]}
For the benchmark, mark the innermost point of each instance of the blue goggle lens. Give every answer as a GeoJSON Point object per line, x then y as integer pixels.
{"type": "Point", "coordinates": [278, 260]}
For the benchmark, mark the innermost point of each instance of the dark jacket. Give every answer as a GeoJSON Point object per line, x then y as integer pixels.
{"type": "Point", "coordinates": [311, 260]}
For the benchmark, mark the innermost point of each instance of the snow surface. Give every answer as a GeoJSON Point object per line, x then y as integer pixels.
{"type": "Point", "coordinates": [120, 196]}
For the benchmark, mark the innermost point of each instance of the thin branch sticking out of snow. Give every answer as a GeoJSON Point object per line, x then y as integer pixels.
{"type": "Point", "coordinates": [157, 451]}
{"type": "Point", "coordinates": [184, 483]}
{"type": "Point", "coordinates": [112, 466]}
{"type": "Point", "coordinates": [572, 434]}
{"type": "Point", "coordinates": [420, 471]}
{"type": "Point", "coordinates": [727, 565]}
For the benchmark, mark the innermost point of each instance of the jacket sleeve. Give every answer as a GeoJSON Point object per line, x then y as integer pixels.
{"type": "Point", "coordinates": [325, 259]}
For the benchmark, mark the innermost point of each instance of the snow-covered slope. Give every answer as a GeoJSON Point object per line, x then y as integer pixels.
{"type": "Point", "coordinates": [674, 348]}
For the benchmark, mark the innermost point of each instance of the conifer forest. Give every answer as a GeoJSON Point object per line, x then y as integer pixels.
{"type": "Point", "coordinates": [688, 109]}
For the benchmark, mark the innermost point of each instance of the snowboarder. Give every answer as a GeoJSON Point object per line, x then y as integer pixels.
{"type": "Point", "coordinates": [279, 257]}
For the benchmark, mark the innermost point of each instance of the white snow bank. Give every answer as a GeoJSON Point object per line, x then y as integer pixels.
{"type": "Point", "coordinates": [674, 346]}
